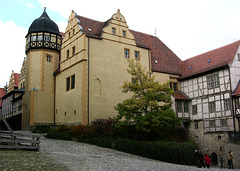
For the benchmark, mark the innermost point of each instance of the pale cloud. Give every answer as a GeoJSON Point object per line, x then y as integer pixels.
{"type": "Point", "coordinates": [25, 2]}
{"type": "Point", "coordinates": [12, 53]}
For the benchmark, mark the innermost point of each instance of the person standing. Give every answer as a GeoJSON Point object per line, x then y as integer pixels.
{"type": "Point", "coordinates": [230, 157]}
{"type": "Point", "coordinates": [221, 161]}
{"type": "Point", "coordinates": [208, 160]}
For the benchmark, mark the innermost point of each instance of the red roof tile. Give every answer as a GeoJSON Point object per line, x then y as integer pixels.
{"type": "Point", "coordinates": [218, 58]}
{"type": "Point", "coordinates": [179, 95]}
{"type": "Point", "coordinates": [167, 61]}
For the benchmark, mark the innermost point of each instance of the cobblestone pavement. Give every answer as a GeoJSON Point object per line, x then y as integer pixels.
{"type": "Point", "coordinates": [75, 156]}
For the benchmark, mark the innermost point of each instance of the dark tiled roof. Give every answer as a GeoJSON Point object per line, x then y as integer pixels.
{"type": "Point", "coordinates": [162, 58]}
{"type": "Point", "coordinates": [209, 61]}
{"type": "Point", "coordinates": [43, 24]}
{"type": "Point", "coordinates": [179, 95]}
{"type": "Point", "coordinates": [167, 61]}
{"type": "Point", "coordinates": [91, 27]}
{"type": "Point", "coordinates": [237, 90]}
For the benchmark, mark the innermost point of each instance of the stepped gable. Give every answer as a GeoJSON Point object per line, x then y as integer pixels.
{"type": "Point", "coordinates": [208, 61]}
{"type": "Point", "coordinates": [162, 58]}
{"type": "Point", "coordinates": [167, 61]}
{"type": "Point", "coordinates": [16, 79]}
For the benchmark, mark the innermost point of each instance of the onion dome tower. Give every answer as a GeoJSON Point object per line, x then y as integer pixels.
{"type": "Point", "coordinates": [43, 46]}
{"type": "Point", "coordinates": [43, 33]}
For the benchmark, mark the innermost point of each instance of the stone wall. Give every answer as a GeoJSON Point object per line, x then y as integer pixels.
{"type": "Point", "coordinates": [235, 148]}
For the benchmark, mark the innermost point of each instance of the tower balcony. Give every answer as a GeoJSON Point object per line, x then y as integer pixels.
{"type": "Point", "coordinates": [43, 40]}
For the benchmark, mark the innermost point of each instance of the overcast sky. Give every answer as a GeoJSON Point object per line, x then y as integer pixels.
{"type": "Point", "coordinates": [187, 27]}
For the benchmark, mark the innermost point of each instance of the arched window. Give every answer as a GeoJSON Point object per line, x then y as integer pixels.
{"type": "Point", "coordinates": [97, 87]}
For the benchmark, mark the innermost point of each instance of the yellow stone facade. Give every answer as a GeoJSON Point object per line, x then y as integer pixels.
{"type": "Point", "coordinates": [86, 83]}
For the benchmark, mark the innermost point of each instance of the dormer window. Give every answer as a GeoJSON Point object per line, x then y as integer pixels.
{"type": "Point", "coordinates": [114, 31]}
{"type": "Point", "coordinates": [209, 61]}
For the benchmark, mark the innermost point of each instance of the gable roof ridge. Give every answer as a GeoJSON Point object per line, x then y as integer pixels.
{"type": "Point", "coordinates": [222, 47]}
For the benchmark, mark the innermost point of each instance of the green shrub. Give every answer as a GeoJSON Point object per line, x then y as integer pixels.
{"type": "Point", "coordinates": [54, 134]}
{"type": "Point", "coordinates": [83, 131]}
{"type": "Point", "coordinates": [41, 129]}
{"type": "Point", "coordinates": [172, 152]}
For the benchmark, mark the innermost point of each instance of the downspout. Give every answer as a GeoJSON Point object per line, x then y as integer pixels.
{"type": "Point", "coordinates": [54, 101]}
{"type": "Point", "coordinates": [88, 76]}
{"type": "Point", "coordinates": [232, 111]}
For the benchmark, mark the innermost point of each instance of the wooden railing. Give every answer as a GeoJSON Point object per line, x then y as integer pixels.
{"type": "Point", "coordinates": [11, 140]}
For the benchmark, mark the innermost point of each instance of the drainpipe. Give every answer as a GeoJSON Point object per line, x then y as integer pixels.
{"type": "Point", "coordinates": [232, 111]}
{"type": "Point", "coordinates": [88, 77]}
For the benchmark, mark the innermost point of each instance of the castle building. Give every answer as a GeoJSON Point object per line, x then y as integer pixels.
{"type": "Point", "coordinates": [76, 77]}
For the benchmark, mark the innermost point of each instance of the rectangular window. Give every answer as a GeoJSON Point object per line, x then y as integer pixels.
{"type": "Point", "coordinates": [72, 81]}
{"type": "Point", "coordinates": [186, 107]}
{"type": "Point", "coordinates": [238, 56]}
{"type": "Point", "coordinates": [196, 125]}
{"type": "Point", "coordinates": [67, 54]}
{"type": "Point", "coordinates": [73, 31]}
{"type": "Point", "coordinates": [179, 106]}
{"type": "Point", "coordinates": [212, 124]}
{"type": "Point", "coordinates": [113, 31]}
{"type": "Point", "coordinates": [213, 81]}
{"type": "Point", "coordinates": [46, 38]}
{"type": "Point", "coordinates": [126, 53]}
{"type": "Point", "coordinates": [227, 104]}
{"type": "Point", "coordinates": [212, 107]}
{"type": "Point", "coordinates": [48, 58]}
{"type": "Point", "coordinates": [33, 38]}
{"type": "Point", "coordinates": [73, 50]}
{"type": "Point", "coordinates": [223, 122]}
{"type": "Point", "coordinates": [124, 33]}
{"type": "Point", "coordinates": [194, 109]}
{"type": "Point", "coordinates": [68, 84]}
{"type": "Point", "coordinates": [137, 57]}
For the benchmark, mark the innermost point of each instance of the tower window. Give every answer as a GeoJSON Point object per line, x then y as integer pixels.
{"type": "Point", "coordinates": [73, 31]}
{"type": "Point", "coordinates": [47, 38]}
{"type": "Point", "coordinates": [33, 38]}
{"type": "Point", "coordinates": [69, 34]}
{"type": "Point", "coordinates": [48, 58]}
